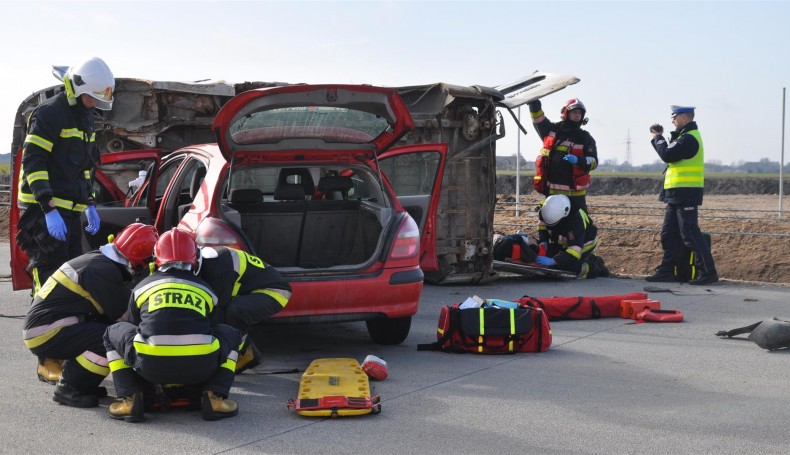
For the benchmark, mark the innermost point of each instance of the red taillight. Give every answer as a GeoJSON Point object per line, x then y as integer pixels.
{"type": "Point", "coordinates": [407, 242]}
{"type": "Point", "coordinates": [215, 232]}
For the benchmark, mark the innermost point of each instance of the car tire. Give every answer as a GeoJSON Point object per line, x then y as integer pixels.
{"type": "Point", "coordinates": [389, 331]}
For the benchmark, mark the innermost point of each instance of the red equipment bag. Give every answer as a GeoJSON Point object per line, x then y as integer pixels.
{"type": "Point", "coordinates": [491, 330]}
{"type": "Point", "coordinates": [560, 308]}
{"type": "Point", "coordinates": [658, 315]}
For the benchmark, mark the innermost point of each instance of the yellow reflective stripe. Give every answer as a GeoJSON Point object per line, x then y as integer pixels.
{"type": "Point", "coordinates": [590, 246]}
{"type": "Point", "coordinates": [567, 192]}
{"type": "Point", "coordinates": [39, 141]}
{"type": "Point", "coordinates": [561, 148]}
{"type": "Point", "coordinates": [116, 365]}
{"type": "Point", "coordinates": [574, 253]}
{"type": "Point", "coordinates": [240, 264]}
{"type": "Point", "coordinates": [512, 328]}
{"type": "Point", "coordinates": [91, 366]}
{"type": "Point", "coordinates": [26, 198]}
{"type": "Point", "coordinates": [41, 339]}
{"type": "Point", "coordinates": [87, 174]}
{"type": "Point", "coordinates": [440, 330]}
{"type": "Point", "coordinates": [143, 295]}
{"type": "Point", "coordinates": [67, 133]}
{"type": "Point", "coordinates": [229, 364]}
{"type": "Point", "coordinates": [176, 351]}
{"type": "Point", "coordinates": [38, 175]}
{"type": "Point", "coordinates": [74, 287]}
{"type": "Point", "coordinates": [281, 299]}
{"type": "Point", "coordinates": [69, 205]}
{"type": "Point", "coordinates": [93, 138]}
{"type": "Point", "coordinates": [482, 329]}
{"type": "Point", "coordinates": [535, 115]}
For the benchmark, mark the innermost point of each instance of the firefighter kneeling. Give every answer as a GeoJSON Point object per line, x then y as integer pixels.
{"type": "Point", "coordinates": [171, 338]}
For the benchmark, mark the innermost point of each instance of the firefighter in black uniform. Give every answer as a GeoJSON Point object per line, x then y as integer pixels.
{"type": "Point", "coordinates": [170, 337]}
{"type": "Point", "coordinates": [568, 238]}
{"type": "Point", "coordinates": [248, 291]}
{"type": "Point", "coordinates": [58, 155]}
{"type": "Point", "coordinates": [76, 305]}
{"type": "Point", "coordinates": [568, 153]}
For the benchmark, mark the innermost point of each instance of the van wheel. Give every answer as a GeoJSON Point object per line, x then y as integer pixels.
{"type": "Point", "coordinates": [389, 330]}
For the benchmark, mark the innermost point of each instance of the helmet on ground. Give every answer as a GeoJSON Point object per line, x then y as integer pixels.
{"type": "Point", "coordinates": [91, 77]}
{"type": "Point", "coordinates": [555, 208]}
{"type": "Point", "coordinates": [176, 249]}
{"type": "Point", "coordinates": [136, 243]}
{"type": "Point", "coordinates": [572, 104]}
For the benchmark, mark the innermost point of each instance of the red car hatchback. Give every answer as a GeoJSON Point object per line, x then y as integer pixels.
{"type": "Point", "coordinates": [294, 178]}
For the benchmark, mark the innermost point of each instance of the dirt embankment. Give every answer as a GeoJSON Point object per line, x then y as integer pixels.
{"type": "Point", "coordinates": [749, 241]}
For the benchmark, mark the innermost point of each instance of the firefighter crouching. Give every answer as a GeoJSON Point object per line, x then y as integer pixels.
{"type": "Point", "coordinates": [568, 237]}
{"type": "Point", "coordinates": [248, 291]}
{"type": "Point", "coordinates": [170, 337]}
{"type": "Point", "coordinates": [73, 308]}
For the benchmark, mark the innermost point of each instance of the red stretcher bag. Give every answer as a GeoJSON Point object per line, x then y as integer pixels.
{"type": "Point", "coordinates": [561, 308]}
{"type": "Point", "coordinates": [491, 330]}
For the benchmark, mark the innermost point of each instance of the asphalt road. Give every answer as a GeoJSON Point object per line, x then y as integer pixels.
{"type": "Point", "coordinates": [605, 387]}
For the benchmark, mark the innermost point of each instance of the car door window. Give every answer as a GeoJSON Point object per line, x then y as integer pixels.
{"type": "Point", "coordinates": [412, 176]}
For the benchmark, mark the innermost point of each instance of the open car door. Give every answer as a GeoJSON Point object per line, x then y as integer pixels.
{"type": "Point", "coordinates": [415, 174]}
{"type": "Point", "coordinates": [117, 208]}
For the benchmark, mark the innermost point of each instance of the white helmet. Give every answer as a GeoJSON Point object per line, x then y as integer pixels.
{"type": "Point", "coordinates": [91, 77]}
{"type": "Point", "coordinates": [555, 208]}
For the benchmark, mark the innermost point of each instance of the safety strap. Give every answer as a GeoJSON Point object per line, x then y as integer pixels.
{"type": "Point", "coordinates": [738, 331]}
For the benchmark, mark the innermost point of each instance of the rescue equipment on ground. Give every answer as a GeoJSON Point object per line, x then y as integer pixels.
{"type": "Point", "coordinates": [375, 367]}
{"type": "Point", "coordinates": [335, 387]}
{"type": "Point", "coordinates": [656, 315]}
{"type": "Point", "coordinates": [769, 334]}
{"type": "Point", "coordinates": [582, 307]}
{"type": "Point", "coordinates": [630, 308]}
{"type": "Point", "coordinates": [491, 329]}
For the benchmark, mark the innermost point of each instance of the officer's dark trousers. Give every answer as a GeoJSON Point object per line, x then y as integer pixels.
{"type": "Point", "coordinates": [81, 346]}
{"type": "Point", "coordinates": [681, 227]}
{"type": "Point", "coordinates": [204, 370]}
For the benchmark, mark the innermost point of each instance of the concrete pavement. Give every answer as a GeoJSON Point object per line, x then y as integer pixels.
{"type": "Point", "coordinates": [606, 386]}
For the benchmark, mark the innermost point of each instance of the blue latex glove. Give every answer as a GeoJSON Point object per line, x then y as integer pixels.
{"type": "Point", "coordinates": [93, 220]}
{"type": "Point", "coordinates": [55, 225]}
{"type": "Point", "coordinates": [545, 261]}
{"type": "Point", "coordinates": [573, 159]}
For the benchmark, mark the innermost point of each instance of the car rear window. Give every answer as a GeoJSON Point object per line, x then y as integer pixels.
{"type": "Point", "coordinates": [330, 124]}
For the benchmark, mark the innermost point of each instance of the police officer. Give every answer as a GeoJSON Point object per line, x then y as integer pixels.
{"type": "Point", "coordinates": [58, 155]}
{"type": "Point", "coordinates": [170, 337]}
{"type": "Point", "coordinates": [568, 153]}
{"type": "Point", "coordinates": [684, 186]}
{"type": "Point", "coordinates": [73, 309]}
{"type": "Point", "coordinates": [568, 237]}
{"type": "Point", "coordinates": [248, 291]}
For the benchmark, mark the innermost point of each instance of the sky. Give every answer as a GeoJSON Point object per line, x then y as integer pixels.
{"type": "Point", "coordinates": [633, 58]}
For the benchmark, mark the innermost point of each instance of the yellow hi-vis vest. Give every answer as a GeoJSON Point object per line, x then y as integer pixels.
{"type": "Point", "coordinates": [687, 173]}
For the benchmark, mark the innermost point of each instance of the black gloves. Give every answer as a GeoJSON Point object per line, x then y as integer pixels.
{"type": "Point", "coordinates": [656, 128]}
{"type": "Point", "coordinates": [534, 106]}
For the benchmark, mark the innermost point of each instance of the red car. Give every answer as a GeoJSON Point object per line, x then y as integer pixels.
{"type": "Point", "coordinates": [304, 192]}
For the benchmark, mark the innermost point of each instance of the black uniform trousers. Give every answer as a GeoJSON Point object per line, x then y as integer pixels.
{"type": "Point", "coordinates": [79, 340]}
{"type": "Point", "coordinates": [681, 227]}
{"type": "Point", "coordinates": [204, 370]}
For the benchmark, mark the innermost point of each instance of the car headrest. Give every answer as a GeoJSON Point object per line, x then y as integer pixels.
{"type": "Point", "coordinates": [335, 183]}
{"type": "Point", "coordinates": [289, 192]}
{"type": "Point", "coordinates": [306, 180]}
{"type": "Point", "coordinates": [245, 195]}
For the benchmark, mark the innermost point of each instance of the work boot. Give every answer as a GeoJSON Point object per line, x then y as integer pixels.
{"type": "Point", "coordinates": [249, 357]}
{"type": "Point", "coordinates": [49, 370]}
{"type": "Point", "coordinates": [661, 276]}
{"type": "Point", "coordinates": [73, 397]}
{"type": "Point", "coordinates": [128, 408]}
{"type": "Point", "coordinates": [704, 279]}
{"type": "Point", "coordinates": [215, 407]}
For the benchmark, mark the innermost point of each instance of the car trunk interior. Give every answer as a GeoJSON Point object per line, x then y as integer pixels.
{"type": "Point", "coordinates": [287, 228]}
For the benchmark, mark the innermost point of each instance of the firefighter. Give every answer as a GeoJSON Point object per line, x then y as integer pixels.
{"type": "Point", "coordinates": [568, 237]}
{"type": "Point", "coordinates": [568, 153]}
{"type": "Point", "coordinates": [170, 337]}
{"type": "Point", "coordinates": [248, 291]}
{"type": "Point", "coordinates": [58, 155]}
{"type": "Point", "coordinates": [76, 305]}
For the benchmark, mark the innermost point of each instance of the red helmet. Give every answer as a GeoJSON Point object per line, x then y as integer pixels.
{"type": "Point", "coordinates": [575, 103]}
{"type": "Point", "coordinates": [136, 243]}
{"type": "Point", "coordinates": [176, 245]}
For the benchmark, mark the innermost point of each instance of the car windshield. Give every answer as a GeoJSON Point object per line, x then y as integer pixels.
{"type": "Point", "coordinates": [330, 124]}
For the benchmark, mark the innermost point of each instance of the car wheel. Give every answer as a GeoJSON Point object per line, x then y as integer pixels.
{"type": "Point", "coordinates": [389, 330]}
